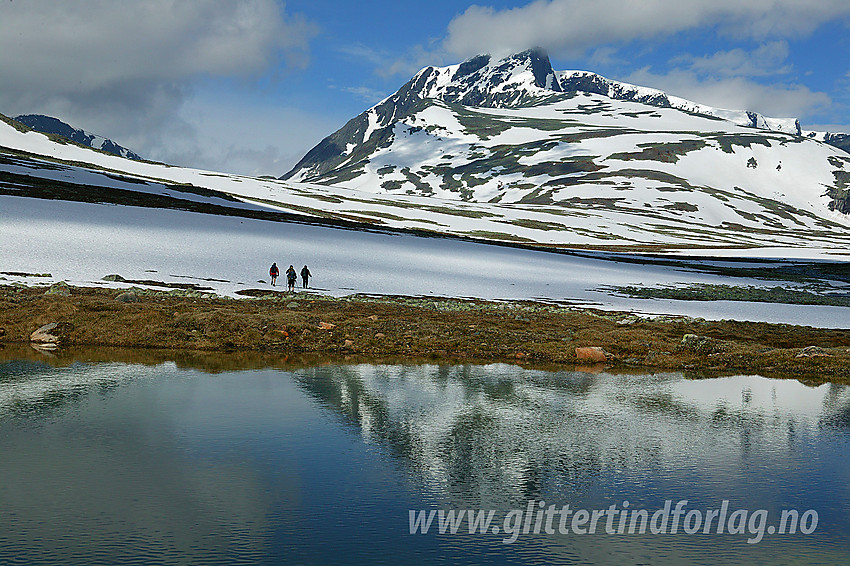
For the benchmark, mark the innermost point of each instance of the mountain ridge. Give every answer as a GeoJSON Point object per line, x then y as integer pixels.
{"type": "Point", "coordinates": [51, 125]}
{"type": "Point", "coordinates": [520, 79]}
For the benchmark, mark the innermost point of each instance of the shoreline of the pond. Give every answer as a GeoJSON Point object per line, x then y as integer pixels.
{"type": "Point", "coordinates": [420, 330]}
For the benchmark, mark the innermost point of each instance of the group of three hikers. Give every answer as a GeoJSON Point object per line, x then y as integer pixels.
{"type": "Point", "coordinates": [291, 276]}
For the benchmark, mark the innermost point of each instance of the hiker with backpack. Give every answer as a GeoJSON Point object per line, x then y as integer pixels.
{"type": "Point", "coordinates": [305, 276]}
{"type": "Point", "coordinates": [274, 272]}
{"type": "Point", "coordinates": [291, 276]}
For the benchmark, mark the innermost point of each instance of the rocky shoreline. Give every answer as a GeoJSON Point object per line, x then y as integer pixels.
{"type": "Point", "coordinates": [434, 329]}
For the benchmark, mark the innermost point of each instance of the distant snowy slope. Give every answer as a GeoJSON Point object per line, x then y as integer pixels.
{"type": "Point", "coordinates": [49, 125]}
{"type": "Point", "coordinates": [841, 141]}
{"type": "Point", "coordinates": [584, 81]}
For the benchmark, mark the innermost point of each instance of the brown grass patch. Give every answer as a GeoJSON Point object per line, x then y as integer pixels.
{"type": "Point", "coordinates": [406, 328]}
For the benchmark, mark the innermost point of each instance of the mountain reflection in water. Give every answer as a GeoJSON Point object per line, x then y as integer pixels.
{"type": "Point", "coordinates": [496, 435]}
{"type": "Point", "coordinates": [157, 462]}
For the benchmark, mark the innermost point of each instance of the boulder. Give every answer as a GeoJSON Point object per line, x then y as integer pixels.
{"type": "Point", "coordinates": [127, 297]}
{"type": "Point", "coordinates": [813, 352]}
{"type": "Point", "coordinates": [326, 325]}
{"type": "Point", "coordinates": [593, 354]}
{"type": "Point", "coordinates": [61, 289]}
{"type": "Point", "coordinates": [44, 334]}
{"type": "Point", "coordinates": [699, 344]}
{"type": "Point", "coordinates": [114, 277]}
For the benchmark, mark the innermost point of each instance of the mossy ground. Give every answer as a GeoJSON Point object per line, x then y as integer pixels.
{"type": "Point", "coordinates": [416, 329]}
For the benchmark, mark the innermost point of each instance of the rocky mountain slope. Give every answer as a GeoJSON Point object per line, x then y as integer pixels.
{"type": "Point", "coordinates": [48, 125]}
{"type": "Point", "coordinates": [578, 147]}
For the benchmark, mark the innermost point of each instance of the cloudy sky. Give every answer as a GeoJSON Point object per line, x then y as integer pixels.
{"type": "Point", "coordinates": [248, 86]}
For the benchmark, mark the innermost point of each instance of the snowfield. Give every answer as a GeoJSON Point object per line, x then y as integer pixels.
{"type": "Point", "coordinates": [81, 243]}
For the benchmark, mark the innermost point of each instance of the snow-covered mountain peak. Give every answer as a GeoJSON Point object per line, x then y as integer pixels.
{"type": "Point", "coordinates": [528, 77]}
{"type": "Point", "coordinates": [484, 81]}
{"type": "Point", "coordinates": [518, 81]}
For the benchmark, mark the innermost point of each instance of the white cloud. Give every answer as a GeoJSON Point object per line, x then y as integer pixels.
{"type": "Point", "coordinates": [736, 93]}
{"type": "Point", "coordinates": [249, 139]}
{"type": "Point", "coordinates": [360, 52]}
{"type": "Point", "coordinates": [87, 46]}
{"type": "Point", "coordinates": [767, 60]}
{"type": "Point", "coordinates": [368, 95]}
{"type": "Point", "coordinates": [604, 56]}
{"type": "Point", "coordinates": [389, 64]}
{"type": "Point", "coordinates": [599, 30]}
{"type": "Point", "coordinates": [568, 28]}
{"type": "Point", "coordinates": [125, 69]}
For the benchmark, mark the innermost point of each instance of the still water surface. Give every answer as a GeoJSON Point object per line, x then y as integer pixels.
{"type": "Point", "coordinates": [108, 463]}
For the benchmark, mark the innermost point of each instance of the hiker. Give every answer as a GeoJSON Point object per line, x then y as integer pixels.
{"type": "Point", "coordinates": [305, 276]}
{"type": "Point", "coordinates": [274, 272]}
{"type": "Point", "coordinates": [291, 276]}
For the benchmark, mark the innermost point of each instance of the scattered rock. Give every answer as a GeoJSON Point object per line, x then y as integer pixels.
{"type": "Point", "coordinates": [592, 354]}
{"type": "Point", "coordinates": [25, 274]}
{"type": "Point", "coordinates": [813, 352]}
{"type": "Point", "coordinates": [380, 335]}
{"type": "Point", "coordinates": [699, 344]}
{"type": "Point", "coordinates": [292, 305]}
{"type": "Point", "coordinates": [326, 326]}
{"type": "Point", "coordinates": [43, 335]}
{"type": "Point", "coordinates": [348, 343]}
{"type": "Point", "coordinates": [114, 277]}
{"type": "Point", "coordinates": [372, 317]}
{"type": "Point", "coordinates": [127, 297]}
{"type": "Point", "coordinates": [2, 333]}
{"type": "Point", "coordinates": [61, 289]}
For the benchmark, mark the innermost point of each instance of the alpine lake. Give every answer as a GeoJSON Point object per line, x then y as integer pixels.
{"type": "Point", "coordinates": [115, 457]}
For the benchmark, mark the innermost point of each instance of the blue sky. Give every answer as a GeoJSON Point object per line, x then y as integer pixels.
{"type": "Point", "coordinates": [249, 86]}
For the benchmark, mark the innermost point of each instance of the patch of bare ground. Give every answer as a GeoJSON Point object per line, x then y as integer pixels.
{"type": "Point", "coordinates": [411, 329]}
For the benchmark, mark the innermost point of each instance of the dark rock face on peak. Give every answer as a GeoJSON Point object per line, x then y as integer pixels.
{"type": "Point", "coordinates": [544, 75]}
{"type": "Point", "coordinates": [841, 141]}
{"type": "Point", "coordinates": [480, 81]}
{"type": "Point", "coordinates": [49, 125]}
{"type": "Point", "coordinates": [472, 65]}
{"type": "Point", "coordinates": [596, 84]}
